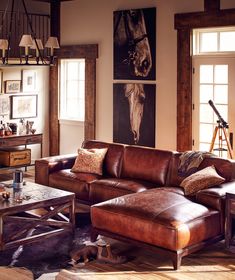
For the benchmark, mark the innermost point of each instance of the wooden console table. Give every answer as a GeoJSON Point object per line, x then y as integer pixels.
{"type": "Point", "coordinates": [21, 140]}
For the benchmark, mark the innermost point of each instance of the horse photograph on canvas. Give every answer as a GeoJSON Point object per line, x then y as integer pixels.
{"type": "Point", "coordinates": [134, 41]}
{"type": "Point", "coordinates": [134, 113]}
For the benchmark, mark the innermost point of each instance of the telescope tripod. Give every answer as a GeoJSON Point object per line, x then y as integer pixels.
{"type": "Point", "coordinates": [222, 132]}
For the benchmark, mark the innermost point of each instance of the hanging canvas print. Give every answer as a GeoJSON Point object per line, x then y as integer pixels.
{"type": "Point", "coordinates": [134, 114]}
{"type": "Point", "coordinates": [134, 44]}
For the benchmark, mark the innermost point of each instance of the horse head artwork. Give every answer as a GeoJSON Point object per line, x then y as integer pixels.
{"type": "Point", "coordinates": [136, 97]}
{"type": "Point", "coordinates": [131, 42]}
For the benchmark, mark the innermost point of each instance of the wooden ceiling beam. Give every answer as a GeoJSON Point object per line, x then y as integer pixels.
{"type": "Point", "coordinates": [205, 19]}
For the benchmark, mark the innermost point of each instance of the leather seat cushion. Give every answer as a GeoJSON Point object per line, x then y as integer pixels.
{"type": "Point", "coordinates": [105, 189]}
{"type": "Point", "coordinates": [73, 182]}
{"type": "Point", "coordinates": [157, 217]}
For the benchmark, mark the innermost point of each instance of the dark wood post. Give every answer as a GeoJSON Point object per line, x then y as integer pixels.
{"type": "Point", "coordinates": [211, 5]}
{"type": "Point", "coordinates": [54, 128]}
{"type": "Point", "coordinates": [184, 90]}
{"type": "Point", "coordinates": [55, 19]}
{"type": "Point", "coordinates": [90, 99]}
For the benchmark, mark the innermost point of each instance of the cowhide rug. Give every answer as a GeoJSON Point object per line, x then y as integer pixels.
{"type": "Point", "coordinates": [46, 256]}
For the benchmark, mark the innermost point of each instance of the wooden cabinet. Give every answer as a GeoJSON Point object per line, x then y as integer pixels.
{"type": "Point", "coordinates": [21, 140]}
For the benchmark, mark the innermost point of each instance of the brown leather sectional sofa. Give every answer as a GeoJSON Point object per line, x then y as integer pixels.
{"type": "Point", "coordinates": [138, 198]}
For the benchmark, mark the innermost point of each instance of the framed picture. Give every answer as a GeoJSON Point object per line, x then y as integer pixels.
{"type": "Point", "coordinates": [12, 86]}
{"type": "Point", "coordinates": [4, 105]}
{"type": "Point", "coordinates": [134, 44]}
{"type": "Point", "coordinates": [134, 113]}
{"type": "Point", "coordinates": [23, 106]}
{"type": "Point", "coordinates": [29, 80]}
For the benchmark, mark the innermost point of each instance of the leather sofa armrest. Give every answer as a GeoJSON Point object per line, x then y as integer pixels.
{"type": "Point", "coordinates": [215, 197]}
{"type": "Point", "coordinates": [47, 165]}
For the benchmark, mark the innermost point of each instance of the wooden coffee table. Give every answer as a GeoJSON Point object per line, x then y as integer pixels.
{"type": "Point", "coordinates": [50, 201]}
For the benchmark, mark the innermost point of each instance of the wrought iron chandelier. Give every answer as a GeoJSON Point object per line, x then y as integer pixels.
{"type": "Point", "coordinates": [28, 42]}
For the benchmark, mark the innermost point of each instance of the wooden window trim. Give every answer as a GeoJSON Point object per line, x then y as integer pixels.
{"type": "Point", "coordinates": [90, 54]}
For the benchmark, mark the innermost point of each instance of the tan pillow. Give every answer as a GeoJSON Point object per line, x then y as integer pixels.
{"type": "Point", "coordinates": [90, 161]}
{"type": "Point", "coordinates": [200, 180]}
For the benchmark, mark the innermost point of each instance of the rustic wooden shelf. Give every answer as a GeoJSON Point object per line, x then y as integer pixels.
{"type": "Point", "coordinates": [21, 140]}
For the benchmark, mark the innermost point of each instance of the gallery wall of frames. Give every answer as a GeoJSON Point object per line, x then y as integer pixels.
{"type": "Point", "coordinates": [134, 75]}
{"type": "Point", "coordinates": [24, 95]}
{"type": "Point", "coordinates": [18, 98]}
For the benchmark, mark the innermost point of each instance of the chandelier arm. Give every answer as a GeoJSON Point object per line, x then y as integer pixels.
{"type": "Point", "coordinates": [32, 31]}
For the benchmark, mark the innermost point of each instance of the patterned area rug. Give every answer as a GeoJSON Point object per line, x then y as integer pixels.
{"type": "Point", "coordinates": [48, 256]}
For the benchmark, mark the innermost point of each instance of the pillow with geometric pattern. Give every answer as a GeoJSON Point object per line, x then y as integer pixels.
{"type": "Point", "coordinates": [205, 178]}
{"type": "Point", "coordinates": [90, 161]}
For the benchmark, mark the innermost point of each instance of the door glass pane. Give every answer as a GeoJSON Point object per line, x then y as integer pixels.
{"type": "Point", "coordinates": [206, 93]}
{"type": "Point", "coordinates": [208, 42]}
{"type": "Point", "coordinates": [206, 132]}
{"type": "Point", "coordinates": [223, 111]}
{"type": "Point", "coordinates": [206, 74]}
{"type": "Point", "coordinates": [221, 94]}
{"type": "Point", "coordinates": [206, 114]}
{"type": "Point", "coordinates": [204, 147]}
{"type": "Point", "coordinates": [221, 74]}
{"type": "Point", "coordinates": [227, 41]}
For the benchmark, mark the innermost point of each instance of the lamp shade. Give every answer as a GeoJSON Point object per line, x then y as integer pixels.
{"type": "Point", "coordinates": [52, 42]}
{"type": "Point", "coordinates": [3, 44]}
{"type": "Point", "coordinates": [26, 41]}
{"type": "Point", "coordinates": [39, 43]}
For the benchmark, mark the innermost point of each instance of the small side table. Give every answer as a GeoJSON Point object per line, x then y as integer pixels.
{"type": "Point", "coordinates": [230, 220]}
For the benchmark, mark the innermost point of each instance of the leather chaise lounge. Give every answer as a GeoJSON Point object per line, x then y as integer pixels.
{"type": "Point", "coordinates": [139, 199]}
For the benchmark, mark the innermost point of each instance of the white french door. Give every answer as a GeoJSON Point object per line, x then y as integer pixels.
{"type": "Point", "coordinates": [213, 79]}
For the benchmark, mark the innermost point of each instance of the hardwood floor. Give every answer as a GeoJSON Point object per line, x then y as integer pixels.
{"type": "Point", "coordinates": [7, 174]}
{"type": "Point", "coordinates": [212, 263]}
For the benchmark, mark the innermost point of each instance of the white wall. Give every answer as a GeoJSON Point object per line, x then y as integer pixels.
{"type": "Point", "coordinates": [41, 123]}
{"type": "Point", "coordinates": [88, 21]}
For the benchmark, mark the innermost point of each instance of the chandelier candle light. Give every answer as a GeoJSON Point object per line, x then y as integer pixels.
{"type": "Point", "coordinates": [28, 41]}
{"type": "Point", "coordinates": [3, 47]}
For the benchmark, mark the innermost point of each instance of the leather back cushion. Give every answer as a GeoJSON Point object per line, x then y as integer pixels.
{"type": "Point", "coordinates": [224, 167]}
{"type": "Point", "coordinates": [113, 159]}
{"type": "Point", "coordinates": [146, 163]}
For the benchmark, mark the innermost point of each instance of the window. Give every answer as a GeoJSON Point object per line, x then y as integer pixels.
{"type": "Point", "coordinates": [209, 41]}
{"type": "Point", "coordinates": [213, 79]}
{"type": "Point", "coordinates": [72, 89]}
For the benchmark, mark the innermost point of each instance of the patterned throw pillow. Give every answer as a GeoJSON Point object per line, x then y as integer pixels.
{"type": "Point", "coordinates": [200, 180]}
{"type": "Point", "coordinates": [90, 161]}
